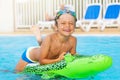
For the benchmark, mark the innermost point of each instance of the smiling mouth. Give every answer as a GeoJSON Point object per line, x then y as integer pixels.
{"type": "Point", "coordinates": [67, 30]}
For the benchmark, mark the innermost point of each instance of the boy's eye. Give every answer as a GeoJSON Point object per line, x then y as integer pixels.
{"type": "Point", "coordinates": [71, 23]}
{"type": "Point", "coordinates": [62, 23]}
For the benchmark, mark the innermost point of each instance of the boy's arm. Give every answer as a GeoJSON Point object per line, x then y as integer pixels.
{"type": "Point", "coordinates": [73, 49]}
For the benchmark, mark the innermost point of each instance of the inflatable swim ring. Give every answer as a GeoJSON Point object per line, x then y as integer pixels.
{"type": "Point", "coordinates": [77, 66]}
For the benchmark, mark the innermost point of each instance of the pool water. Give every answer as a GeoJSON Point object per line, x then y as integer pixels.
{"type": "Point", "coordinates": [11, 48]}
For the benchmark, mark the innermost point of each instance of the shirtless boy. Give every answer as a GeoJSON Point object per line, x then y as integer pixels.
{"type": "Point", "coordinates": [54, 46]}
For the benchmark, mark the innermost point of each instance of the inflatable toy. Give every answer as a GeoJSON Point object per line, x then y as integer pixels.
{"type": "Point", "coordinates": [78, 66]}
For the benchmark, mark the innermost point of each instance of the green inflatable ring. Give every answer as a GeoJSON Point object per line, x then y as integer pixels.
{"type": "Point", "coordinates": [73, 66]}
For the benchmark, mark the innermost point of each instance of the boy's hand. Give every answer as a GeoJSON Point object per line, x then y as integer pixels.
{"type": "Point", "coordinates": [61, 57]}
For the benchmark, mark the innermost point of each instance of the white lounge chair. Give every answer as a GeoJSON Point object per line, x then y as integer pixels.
{"type": "Point", "coordinates": [46, 24]}
{"type": "Point", "coordinates": [112, 16]}
{"type": "Point", "coordinates": [91, 17]}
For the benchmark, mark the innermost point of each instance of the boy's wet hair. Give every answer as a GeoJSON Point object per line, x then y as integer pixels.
{"type": "Point", "coordinates": [61, 12]}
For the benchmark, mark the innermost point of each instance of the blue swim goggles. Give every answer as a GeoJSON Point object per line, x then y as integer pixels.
{"type": "Point", "coordinates": [65, 11]}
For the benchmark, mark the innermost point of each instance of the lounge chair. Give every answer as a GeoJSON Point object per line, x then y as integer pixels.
{"type": "Point", "coordinates": [45, 24]}
{"type": "Point", "coordinates": [112, 16]}
{"type": "Point", "coordinates": [91, 17]}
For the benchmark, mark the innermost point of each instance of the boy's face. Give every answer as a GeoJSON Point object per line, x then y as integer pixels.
{"type": "Point", "coordinates": [66, 24]}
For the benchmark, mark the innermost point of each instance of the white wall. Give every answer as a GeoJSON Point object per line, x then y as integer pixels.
{"type": "Point", "coordinates": [6, 16]}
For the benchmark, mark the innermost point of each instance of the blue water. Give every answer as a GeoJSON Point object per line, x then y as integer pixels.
{"type": "Point", "coordinates": [11, 48]}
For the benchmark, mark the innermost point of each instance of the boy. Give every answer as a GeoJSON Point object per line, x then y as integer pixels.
{"type": "Point", "coordinates": [54, 46]}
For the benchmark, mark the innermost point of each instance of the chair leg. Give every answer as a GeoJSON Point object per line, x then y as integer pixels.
{"type": "Point", "coordinates": [83, 27]}
{"type": "Point", "coordinates": [42, 27]}
{"type": "Point", "coordinates": [103, 27]}
{"type": "Point", "coordinates": [88, 28]}
{"type": "Point", "coordinates": [49, 27]}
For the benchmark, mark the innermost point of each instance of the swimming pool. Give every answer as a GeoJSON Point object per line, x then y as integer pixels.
{"type": "Point", "coordinates": [11, 48]}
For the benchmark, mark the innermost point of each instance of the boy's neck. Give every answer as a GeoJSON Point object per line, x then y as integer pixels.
{"type": "Point", "coordinates": [62, 38]}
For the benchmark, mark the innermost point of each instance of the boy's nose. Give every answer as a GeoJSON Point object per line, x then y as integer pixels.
{"type": "Point", "coordinates": [67, 25]}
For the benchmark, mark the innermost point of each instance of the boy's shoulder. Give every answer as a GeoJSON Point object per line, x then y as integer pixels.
{"type": "Point", "coordinates": [73, 39]}
{"type": "Point", "coordinates": [49, 36]}
{"type": "Point", "coordinates": [53, 35]}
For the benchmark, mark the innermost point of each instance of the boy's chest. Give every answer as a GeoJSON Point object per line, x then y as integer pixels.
{"type": "Point", "coordinates": [59, 48]}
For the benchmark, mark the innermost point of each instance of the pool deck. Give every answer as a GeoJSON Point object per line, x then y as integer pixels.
{"type": "Point", "coordinates": [94, 31]}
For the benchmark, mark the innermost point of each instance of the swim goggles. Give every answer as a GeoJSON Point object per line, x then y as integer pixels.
{"type": "Point", "coordinates": [65, 11]}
